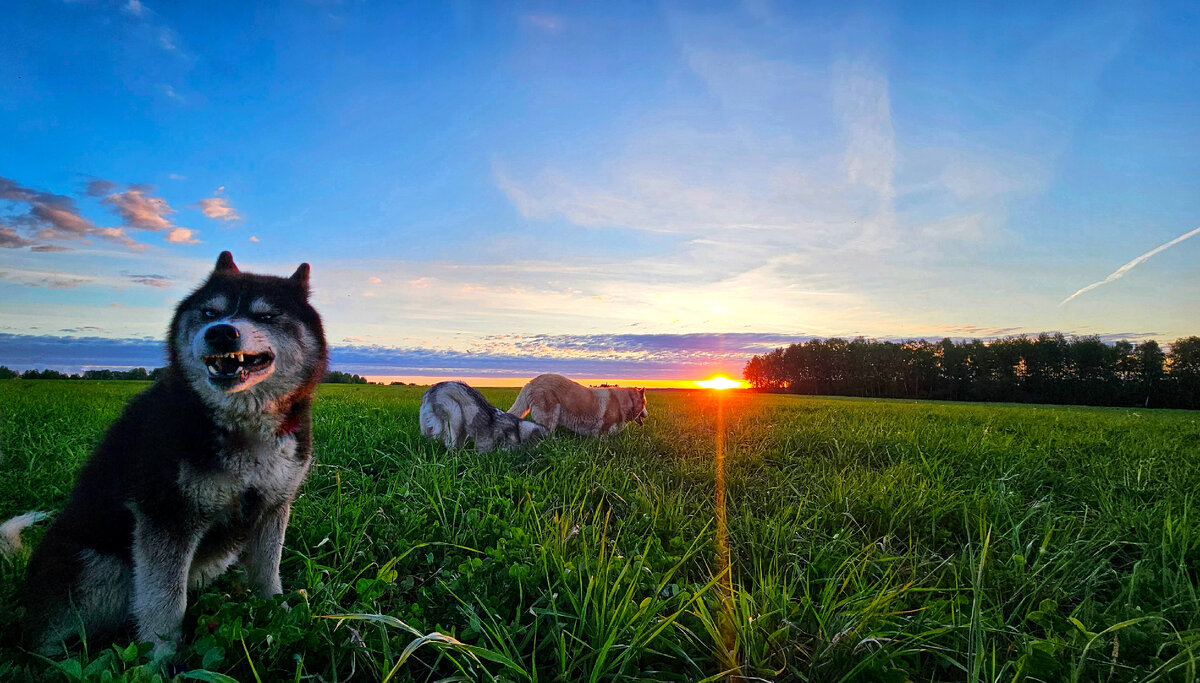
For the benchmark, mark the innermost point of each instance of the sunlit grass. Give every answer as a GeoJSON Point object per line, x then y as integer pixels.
{"type": "Point", "coordinates": [866, 540]}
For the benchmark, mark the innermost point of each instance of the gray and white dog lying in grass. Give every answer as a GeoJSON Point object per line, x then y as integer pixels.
{"type": "Point", "coordinates": [454, 412]}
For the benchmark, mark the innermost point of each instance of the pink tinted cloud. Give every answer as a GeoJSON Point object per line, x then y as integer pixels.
{"type": "Point", "coordinates": [140, 210]}
{"type": "Point", "coordinates": [10, 239]}
{"type": "Point", "coordinates": [182, 236]}
{"type": "Point", "coordinates": [52, 216]}
{"type": "Point", "coordinates": [218, 208]}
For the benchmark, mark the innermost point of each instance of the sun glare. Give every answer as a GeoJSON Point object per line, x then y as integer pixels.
{"type": "Point", "coordinates": [720, 382]}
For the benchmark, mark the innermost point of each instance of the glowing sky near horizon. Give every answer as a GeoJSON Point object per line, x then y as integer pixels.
{"type": "Point", "coordinates": [632, 184]}
{"type": "Point", "coordinates": [720, 382]}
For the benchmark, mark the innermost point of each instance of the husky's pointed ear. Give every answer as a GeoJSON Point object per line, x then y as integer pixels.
{"type": "Point", "coordinates": [225, 263]}
{"type": "Point", "coordinates": [300, 277]}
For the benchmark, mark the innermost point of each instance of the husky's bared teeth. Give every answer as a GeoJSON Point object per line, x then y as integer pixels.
{"type": "Point", "coordinates": [237, 364]}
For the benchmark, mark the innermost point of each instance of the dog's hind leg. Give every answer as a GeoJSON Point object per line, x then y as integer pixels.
{"type": "Point", "coordinates": [98, 607]}
{"type": "Point", "coordinates": [264, 548]}
{"type": "Point", "coordinates": [105, 584]}
{"type": "Point", "coordinates": [547, 419]}
{"type": "Point", "coordinates": [456, 427]}
{"type": "Point", "coordinates": [71, 590]}
{"type": "Point", "coordinates": [460, 436]}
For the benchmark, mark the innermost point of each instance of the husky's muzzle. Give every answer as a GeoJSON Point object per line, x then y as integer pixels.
{"type": "Point", "coordinates": [228, 366]}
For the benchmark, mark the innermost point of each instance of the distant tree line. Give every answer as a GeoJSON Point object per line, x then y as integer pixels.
{"type": "Point", "coordinates": [335, 377]}
{"type": "Point", "coordinates": [331, 377]}
{"type": "Point", "coordinates": [1050, 368]}
{"type": "Point", "coordinates": [134, 374]}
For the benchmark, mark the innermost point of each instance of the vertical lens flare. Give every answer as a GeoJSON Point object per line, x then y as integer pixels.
{"type": "Point", "coordinates": [725, 582]}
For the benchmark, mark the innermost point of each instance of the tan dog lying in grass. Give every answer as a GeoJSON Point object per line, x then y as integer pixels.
{"type": "Point", "coordinates": [552, 400]}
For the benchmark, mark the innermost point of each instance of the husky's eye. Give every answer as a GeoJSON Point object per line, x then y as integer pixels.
{"type": "Point", "coordinates": [265, 317]}
{"type": "Point", "coordinates": [208, 312]}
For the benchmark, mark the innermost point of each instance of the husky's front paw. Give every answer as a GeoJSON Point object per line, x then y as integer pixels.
{"type": "Point", "coordinates": [163, 651]}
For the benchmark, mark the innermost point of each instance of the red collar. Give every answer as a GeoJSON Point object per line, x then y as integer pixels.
{"type": "Point", "coordinates": [289, 426]}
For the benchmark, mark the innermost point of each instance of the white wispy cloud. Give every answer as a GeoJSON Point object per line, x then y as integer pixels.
{"type": "Point", "coordinates": [149, 26]}
{"type": "Point", "coordinates": [169, 92]}
{"type": "Point", "coordinates": [53, 279]}
{"type": "Point", "coordinates": [794, 165]}
{"type": "Point", "coordinates": [864, 105]}
{"type": "Point", "coordinates": [546, 23]}
{"type": "Point", "coordinates": [151, 279]}
{"type": "Point", "coordinates": [167, 40]}
{"type": "Point", "coordinates": [1120, 272]}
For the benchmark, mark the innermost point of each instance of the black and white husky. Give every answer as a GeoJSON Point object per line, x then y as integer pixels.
{"type": "Point", "coordinates": [454, 412]}
{"type": "Point", "coordinates": [198, 472]}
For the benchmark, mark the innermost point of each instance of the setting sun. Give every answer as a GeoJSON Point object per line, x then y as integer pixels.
{"type": "Point", "coordinates": [720, 382]}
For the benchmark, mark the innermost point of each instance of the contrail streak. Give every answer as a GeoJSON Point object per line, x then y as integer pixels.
{"type": "Point", "coordinates": [1120, 272]}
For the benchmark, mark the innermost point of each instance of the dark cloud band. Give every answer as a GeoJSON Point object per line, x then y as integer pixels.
{"type": "Point", "coordinates": [648, 356]}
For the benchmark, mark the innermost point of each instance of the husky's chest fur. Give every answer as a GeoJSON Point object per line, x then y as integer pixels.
{"type": "Point", "coordinates": [260, 466]}
{"type": "Point", "coordinates": [250, 474]}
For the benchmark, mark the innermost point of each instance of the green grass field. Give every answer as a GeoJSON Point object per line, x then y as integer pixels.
{"type": "Point", "coordinates": [867, 540]}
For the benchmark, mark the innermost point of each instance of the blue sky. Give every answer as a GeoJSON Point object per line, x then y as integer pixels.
{"type": "Point", "coordinates": [648, 189]}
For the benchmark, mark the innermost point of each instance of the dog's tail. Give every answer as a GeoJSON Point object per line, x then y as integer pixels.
{"type": "Point", "coordinates": [10, 531]}
{"type": "Point", "coordinates": [522, 404]}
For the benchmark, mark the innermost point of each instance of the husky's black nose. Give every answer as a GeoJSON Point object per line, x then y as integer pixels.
{"type": "Point", "coordinates": [222, 338]}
